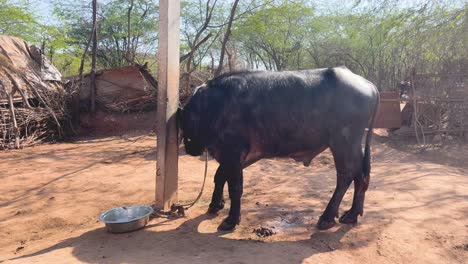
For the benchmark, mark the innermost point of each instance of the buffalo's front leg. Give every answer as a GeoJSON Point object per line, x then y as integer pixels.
{"type": "Point", "coordinates": [234, 178]}
{"type": "Point", "coordinates": [217, 201]}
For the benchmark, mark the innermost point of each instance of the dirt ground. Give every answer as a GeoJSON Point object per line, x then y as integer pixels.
{"type": "Point", "coordinates": [51, 196]}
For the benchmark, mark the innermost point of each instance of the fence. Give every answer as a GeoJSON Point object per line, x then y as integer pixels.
{"type": "Point", "coordinates": [436, 104]}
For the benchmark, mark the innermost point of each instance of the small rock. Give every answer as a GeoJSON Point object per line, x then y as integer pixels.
{"type": "Point", "coordinates": [263, 231]}
{"type": "Point", "coordinates": [19, 249]}
{"type": "Point", "coordinates": [462, 247]}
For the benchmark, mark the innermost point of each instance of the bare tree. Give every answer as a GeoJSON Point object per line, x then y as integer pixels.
{"type": "Point", "coordinates": [130, 55]}
{"type": "Point", "coordinates": [93, 60]}
{"type": "Point", "coordinates": [198, 41]}
{"type": "Point", "coordinates": [226, 37]}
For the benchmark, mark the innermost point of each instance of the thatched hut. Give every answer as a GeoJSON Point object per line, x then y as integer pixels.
{"type": "Point", "coordinates": [125, 100]}
{"type": "Point", "coordinates": [31, 95]}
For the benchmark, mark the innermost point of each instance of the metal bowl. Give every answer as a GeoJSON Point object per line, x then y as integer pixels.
{"type": "Point", "coordinates": [126, 218]}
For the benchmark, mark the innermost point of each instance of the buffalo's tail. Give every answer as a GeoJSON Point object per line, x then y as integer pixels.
{"type": "Point", "coordinates": [366, 162]}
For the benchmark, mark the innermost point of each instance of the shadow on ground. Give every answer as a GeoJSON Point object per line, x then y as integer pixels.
{"type": "Point", "coordinates": [450, 153]}
{"type": "Point", "coordinates": [184, 244]}
{"type": "Point", "coordinates": [404, 193]}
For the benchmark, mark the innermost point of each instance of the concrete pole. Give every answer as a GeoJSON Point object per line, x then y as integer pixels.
{"type": "Point", "coordinates": [167, 103]}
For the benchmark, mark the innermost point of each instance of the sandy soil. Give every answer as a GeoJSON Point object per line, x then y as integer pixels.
{"type": "Point", "coordinates": [51, 195]}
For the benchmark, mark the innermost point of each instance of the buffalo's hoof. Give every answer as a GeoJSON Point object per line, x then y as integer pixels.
{"type": "Point", "coordinates": [215, 208]}
{"type": "Point", "coordinates": [324, 224]}
{"type": "Point", "coordinates": [349, 217]}
{"type": "Point", "coordinates": [228, 225]}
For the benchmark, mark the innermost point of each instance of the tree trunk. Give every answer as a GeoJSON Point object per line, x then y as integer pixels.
{"type": "Point", "coordinates": [93, 60]}
{"type": "Point", "coordinates": [130, 55]}
{"type": "Point", "coordinates": [229, 58]}
{"type": "Point", "coordinates": [212, 62]}
{"type": "Point", "coordinates": [226, 38]}
{"type": "Point", "coordinates": [76, 94]}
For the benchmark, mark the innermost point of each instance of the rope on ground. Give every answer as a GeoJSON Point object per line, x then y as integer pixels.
{"type": "Point", "coordinates": [179, 209]}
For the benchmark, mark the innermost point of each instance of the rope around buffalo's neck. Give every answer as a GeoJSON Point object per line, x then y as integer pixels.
{"type": "Point", "coordinates": [182, 207]}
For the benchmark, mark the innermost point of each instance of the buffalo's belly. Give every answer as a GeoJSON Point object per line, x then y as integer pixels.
{"type": "Point", "coordinates": [302, 147]}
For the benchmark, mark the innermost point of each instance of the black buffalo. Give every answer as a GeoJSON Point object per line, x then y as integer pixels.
{"type": "Point", "coordinates": [243, 117]}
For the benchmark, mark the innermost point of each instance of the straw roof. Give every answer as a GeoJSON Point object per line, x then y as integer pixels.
{"type": "Point", "coordinates": [31, 94]}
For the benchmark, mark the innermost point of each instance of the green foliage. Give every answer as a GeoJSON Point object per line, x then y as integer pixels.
{"type": "Point", "coordinates": [115, 48]}
{"type": "Point", "coordinates": [377, 39]}
{"type": "Point", "coordinates": [384, 40]}
{"type": "Point", "coordinates": [275, 33]}
{"type": "Point", "coordinates": [194, 23]}
{"type": "Point", "coordinates": [385, 48]}
{"type": "Point", "coordinates": [69, 63]}
{"type": "Point", "coordinates": [17, 20]}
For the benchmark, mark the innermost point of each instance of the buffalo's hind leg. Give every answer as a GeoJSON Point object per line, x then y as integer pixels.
{"type": "Point", "coordinates": [348, 162]}
{"type": "Point", "coordinates": [327, 219]}
{"type": "Point", "coordinates": [217, 201]}
{"type": "Point", "coordinates": [357, 208]}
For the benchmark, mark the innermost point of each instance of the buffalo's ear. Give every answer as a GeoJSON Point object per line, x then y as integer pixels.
{"type": "Point", "coordinates": [179, 116]}
{"type": "Point", "coordinates": [179, 125]}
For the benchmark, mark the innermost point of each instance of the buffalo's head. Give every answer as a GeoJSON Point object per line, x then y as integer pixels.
{"type": "Point", "coordinates": [189, 119]}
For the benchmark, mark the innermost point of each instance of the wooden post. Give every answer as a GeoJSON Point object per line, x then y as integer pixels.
{"type": "Point", "coordinates": [415, 106]}
{"type": "Point", "coordinates": [13, 118]}
{"type": "Point", "coordinates": [167, 103]}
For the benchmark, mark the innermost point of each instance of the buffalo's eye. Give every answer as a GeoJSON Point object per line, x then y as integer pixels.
{"type": "Point", "coordinates": [189, 140]}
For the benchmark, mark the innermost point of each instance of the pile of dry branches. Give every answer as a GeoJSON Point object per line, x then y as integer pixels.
{"type": "Point", "coordinates": [187, 85]}
{"type": "Point", "coordinates": [32, 98]}
{"type": "Point", "coordinates": [33, 118]}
